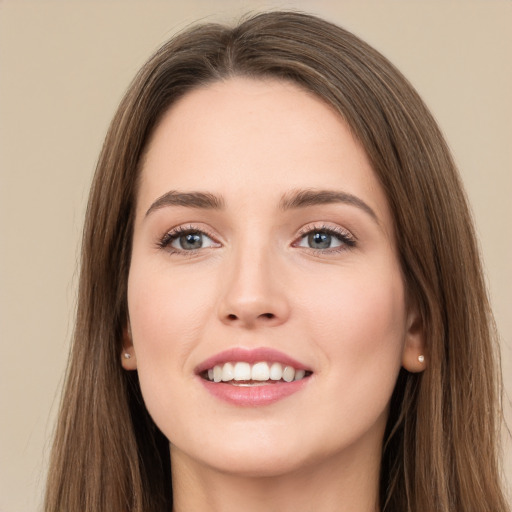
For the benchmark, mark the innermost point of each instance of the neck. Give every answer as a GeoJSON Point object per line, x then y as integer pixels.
{"type": "Point", "coordinates": [351, 485]}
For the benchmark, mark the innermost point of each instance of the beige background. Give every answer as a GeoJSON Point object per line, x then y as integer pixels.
{"type": "Point", "coordinates": [63, 68]}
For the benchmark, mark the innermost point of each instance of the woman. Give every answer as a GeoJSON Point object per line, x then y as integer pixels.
{"type": "Point", "coordinates": [281, 301]}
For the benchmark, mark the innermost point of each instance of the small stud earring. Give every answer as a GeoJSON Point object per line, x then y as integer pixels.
{"type": "Point", "coordinates": [421, 358]}
{"type": "Point", "coordinates": [127, 356]}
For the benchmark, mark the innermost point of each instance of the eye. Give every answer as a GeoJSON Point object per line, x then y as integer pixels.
{"type": "Point", "coordinates": [190, 241]}
{"type": "Point", "coordinates": [325, 238]}
{"type": "Point", "coordinates": [186, 240]}
{"type": "Point", "coordinates": [319, 240]}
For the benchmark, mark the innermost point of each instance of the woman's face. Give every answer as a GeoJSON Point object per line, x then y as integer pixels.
{"type": "Point", "coordinates": [262, 237]}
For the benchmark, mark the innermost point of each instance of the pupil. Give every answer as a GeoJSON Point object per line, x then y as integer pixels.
{"type": "Point", "coordinates": [191, 241]}
{"type": "Point", "coordinates": [319, 240]}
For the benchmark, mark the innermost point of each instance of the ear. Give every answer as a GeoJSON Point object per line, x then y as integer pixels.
{"type": "Point", "coordinates": [413, 356]}
{"type": "Point", "coordinates": [128, 358]}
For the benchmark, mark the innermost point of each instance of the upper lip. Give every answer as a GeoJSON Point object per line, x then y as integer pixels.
{"type": "Point", "coordinates": [251, 356]}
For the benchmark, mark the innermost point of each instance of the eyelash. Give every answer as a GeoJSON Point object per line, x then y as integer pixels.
{"type": "Point", "coordinates": [172, 235]}
{"type": "Point", "coordinates": [347, 240]}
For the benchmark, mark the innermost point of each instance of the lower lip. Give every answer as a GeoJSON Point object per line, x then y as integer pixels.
{"type": "Point", "coordinates": [253, 396]}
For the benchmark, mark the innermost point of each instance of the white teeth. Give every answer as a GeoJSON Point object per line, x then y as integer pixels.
{"type": "Point", "coordinates": [276, 371]}
{"type": "Point", "coordinates": [227, 372]}
{"type": "Point", "coordinates": [259, 372]}
{"type": "Point", "coordinates": [288, 373]}
{"type": "Point", "coordinates": [242, 371]}
{"type": "Point", "coordinates": [299, 374]}
{"type": "Point", "coordinates": [217, 373]}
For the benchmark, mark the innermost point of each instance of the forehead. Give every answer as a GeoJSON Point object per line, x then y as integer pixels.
{"type": "Point", "coordinates": [255, 137]}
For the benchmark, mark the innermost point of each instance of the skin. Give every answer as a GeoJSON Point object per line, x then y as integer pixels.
{"type": "Point", "coordinates": [257, 282]}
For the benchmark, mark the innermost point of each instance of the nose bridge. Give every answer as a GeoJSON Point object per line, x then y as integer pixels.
{"type": "Point", "coordinates": [253, 294]}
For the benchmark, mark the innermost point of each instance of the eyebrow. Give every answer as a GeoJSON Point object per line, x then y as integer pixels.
{"type": "Point", "coordinates": [311, 197]}
{"type": "Point", "coordinates": [293, 200]}
{"type": "Point", "coordinates": [199, 200]}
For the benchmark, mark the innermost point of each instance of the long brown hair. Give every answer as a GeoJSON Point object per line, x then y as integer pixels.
{"type": "Point", "coordinates": [440, 452]}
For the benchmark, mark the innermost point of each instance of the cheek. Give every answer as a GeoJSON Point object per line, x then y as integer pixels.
{"type": "Point", "coordinates": [359, 329]}
{"type": "Point", "coordinates": [359, 326]}
{"type": "Point", "coordinates": [373, 314]}
{"type": "Point", "coordinates": [168, 314]}
{"type": "Point", "coordinates": [165, 305]}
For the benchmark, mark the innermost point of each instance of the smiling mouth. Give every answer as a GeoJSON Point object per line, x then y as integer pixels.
{"type": "Point", "coordinates": [262, 373]}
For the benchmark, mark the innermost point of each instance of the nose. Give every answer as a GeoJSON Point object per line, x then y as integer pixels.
{"type": "Point", "coordinates": [253, 293]}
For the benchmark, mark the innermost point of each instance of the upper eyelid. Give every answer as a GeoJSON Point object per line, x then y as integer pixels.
{"type": "Point", "coordinates": [303, 231]}
{"type": "Point", "coordinates": [190, 228]}
{"type": "Point", "coordinates": [322, 226]}
{"type": "Point", "coordinates": [346, 237]}
{"type": "Point", "coordinates": [171, 234]}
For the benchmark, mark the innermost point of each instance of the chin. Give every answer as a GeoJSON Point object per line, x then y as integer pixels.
{"type": "Point", "coordinates": [261, 454]}
{"type": "Point", "coordinates": [258, 464]}
{"type": "Point", "coordinates": [251, 455]}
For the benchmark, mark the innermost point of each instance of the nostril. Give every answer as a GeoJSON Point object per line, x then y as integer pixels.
{"type": "Point", "coordinates": [249, 318]}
